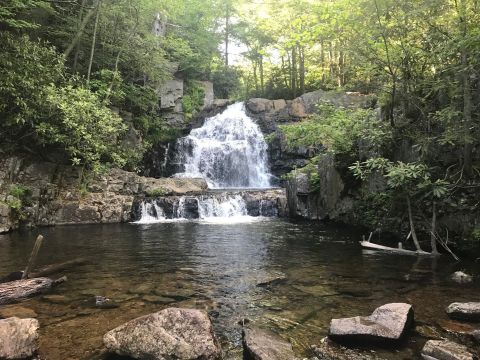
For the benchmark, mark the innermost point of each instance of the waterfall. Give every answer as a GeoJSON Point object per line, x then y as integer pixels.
{"type": "Point", "coordinates": [228, 151]}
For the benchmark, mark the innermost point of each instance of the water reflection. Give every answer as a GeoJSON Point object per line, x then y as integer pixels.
{"type": "Point", "coordinates": [322, 273]}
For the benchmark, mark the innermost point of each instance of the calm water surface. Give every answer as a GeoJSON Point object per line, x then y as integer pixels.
{"type": "Point", "coordinates": [217, 267]}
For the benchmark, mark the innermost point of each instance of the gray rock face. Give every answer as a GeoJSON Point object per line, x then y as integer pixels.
{"type": "Point", "coordinates": [469, 311]}
{"type": "Point", "coordinates": [209, 95]}
{"type": "Point", "coordinates": [170, 92]}
{"type": "Point", "coordinates": [172, 333]}
{"type": "Point", "coordinates": [445, 350]}
{"type": "Point", "coordinates": [57, 198]}
{"type": "Point", "coordinates": [259, 344]}
{"type": "Point", "coordinates": [388, 323]}
{"type": "Point", "coordinates": [323, 201]}
{"type": "Point", "coordinates": [18, 338]}
{"type": "Point", "coordinates": [461, 278]}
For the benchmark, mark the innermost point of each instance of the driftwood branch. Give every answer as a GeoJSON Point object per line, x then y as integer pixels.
{"type": "Point", "coordinates": [33, 257]}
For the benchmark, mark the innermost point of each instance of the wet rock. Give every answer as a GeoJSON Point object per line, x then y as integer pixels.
{"type": "Point", "coordinates": [141, 289]}
{"type": "Point", "coordinates": [271, 279]}
{"type": "Point", "coordinates": [445, 350]}
{"type": "Point", "coordinates": [155, 299]}
{"type": "Point", "coordinates": [461, 278]}
{"type": "Point", "coordinates": [103, 302]}
{"type": "Point", "coordinates": [177, 294]}
{"type": "Point", "coordinates": [17, 311]}
{"type": "Point", "coordinates": [55, 299]}
{"type": "Point", "coordinates": [330, 351]}
{"type": "Point", "coordinates": [18, 338]}
{"type": "Point", "coordinates": [388, 323]}
{"type": "Point", "coordinates": [427, 331]}
{"type": "Point", "coordinates": [259, 344]}
{"type": "Point", "coordinates": [476, 335]}
{"type": "Point", "coordinates": [172, 333]}
{"type": "Point", "coordinates": [469, 311]}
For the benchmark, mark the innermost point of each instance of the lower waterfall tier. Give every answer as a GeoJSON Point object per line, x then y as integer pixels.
{"type": "Point", "coordinates": [228, 205]}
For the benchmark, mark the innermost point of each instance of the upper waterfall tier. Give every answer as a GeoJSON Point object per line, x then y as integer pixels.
{"type": "Point", "coordinates": [228, 151]}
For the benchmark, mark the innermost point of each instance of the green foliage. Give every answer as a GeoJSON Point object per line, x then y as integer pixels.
{"type": "Point", "coordinates": [338, 130]}
{"type": "Point", "coordinates": [226, 81]}
{"type": "Point", "coordinates": [19, 197]}
{"type": "Point", "coordinates": [17, 14]}
{"type": "Point", "coordinates": [193, 98]}
{"type": "Point", "coordinates": [157, 192]}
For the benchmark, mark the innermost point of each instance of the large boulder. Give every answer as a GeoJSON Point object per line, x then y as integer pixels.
{"type": "Point", "coordinates": [445, 350]}
{"type": "Point", "coordinates": [18, 338]}
{"type": "Point", "coordinates": [259, 344]}
{"type": "Point", "coordinates": [387, 324]}
{"type": "Point", "coordinates": [172, 333]}
{"type": "Point", "coordinates": [469, 311]}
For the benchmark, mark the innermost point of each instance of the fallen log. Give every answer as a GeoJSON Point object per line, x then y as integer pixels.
{"type": "Point", "coordinates": [400, 251]}
{"type": "Point", "coordinates": [55, 268]}
{"type": "Point", "coordinates": [45, 271]}
{"type": "Point", "coordinates": [18, 290]}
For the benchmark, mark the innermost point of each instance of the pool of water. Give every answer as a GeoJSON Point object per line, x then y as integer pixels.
{"type": "Point", "coordinates": [216, 267]}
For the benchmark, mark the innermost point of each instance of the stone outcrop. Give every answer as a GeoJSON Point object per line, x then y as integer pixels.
{"type": "Point", "coordinates": [445, 350]}
{"type": "Point", "coordinates": [387, 324]}
{"type": "Point", "coordinates": [57, 195]}
{"type": "Point", "coordinates": [469, 311]}
{"type": "Point", "coordinates": [259, 344]}
{"type": "Point", "coordinates": [461, 278]}
{"type": "Point", "coordinates": [172, 333]}
{"type": "Point", "coordinates": [322, 200]}
{"type": "Point", "coordinates": [18, 338]}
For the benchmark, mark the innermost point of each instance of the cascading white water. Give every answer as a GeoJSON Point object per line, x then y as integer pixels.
{"type": "Point", "coordinates": [228, 151]}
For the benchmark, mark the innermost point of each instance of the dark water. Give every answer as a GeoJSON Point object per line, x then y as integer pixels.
{"type": "Point", "coordinates": [217, 267]}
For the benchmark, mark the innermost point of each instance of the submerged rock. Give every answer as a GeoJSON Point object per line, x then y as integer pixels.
{"type": "Point", "coordinates": [17, 311]}
{"type": "Point", "coordinates": [18, 338]}
{"type": "Point", "coordinates": [388, 323]}
{"type": "Point", "coordinates": [329, 351]}
{"type": "Point", "coordinates": [259, 344]}
{"type": "Point", "coordinates": [461, 278]}
{"type": "Point", "coordinates": [469, 311]}
{"type": "Point", "coordinates": [172, 333]}
{"type": "Point", "coordinates": [103, 302]}
{"type": "Point", "coordinates": [272, 278]}
{"type": "Point", "coordinates": [445, 350]}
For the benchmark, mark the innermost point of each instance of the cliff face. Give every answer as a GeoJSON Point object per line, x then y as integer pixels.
{"type": "Point", "coordinates": [34, 193]}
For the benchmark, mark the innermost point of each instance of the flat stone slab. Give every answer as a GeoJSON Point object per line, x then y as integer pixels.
{"type": "Point", "coordinates": [388, 323]}
{"type": "Point", "coordinates": [173, 333]}
{"type": "Point", "coordinates": [18, 338]}
{"type": "Point", "coordinates": [260, 344]}
{"type": "Point", "coordinates": [469, 311]}
{"type": "Point", "coordinates": [329, 351]}
{"type": "Point", "coordinates": [445, 350]}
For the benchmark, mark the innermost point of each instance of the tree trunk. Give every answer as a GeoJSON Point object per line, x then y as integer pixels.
{"type": "Point", "coordinates": [301, 53]}
{"type": "Point", "coordinates": [294, 72]}
{"type": "Point", "coordinates": [260, 66]}
{"type": "Point", "coordinates": [77, 47]}
{"type": "Point", "coordinates": [322, 60]}
{"type": "Point", "coordinates": [94, 39]}
{"type": "Point", "coordinates": [227, 30]}
{"type": "Point", "coordinates": [433, 240]}
{"type": "Point", "coordinates": [79, 33]}
{"type": "Point", "coordinates": [412, 228]}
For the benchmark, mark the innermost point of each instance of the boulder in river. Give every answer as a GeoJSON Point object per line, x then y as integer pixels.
{"type": "Point", "coordinates": [387, 324]}
{"type": "Point", "coordinates": [18, 338]}
{"type": "Point", "coordinates": [461, 278]}
{"type": "Point", "coordinates": [469, 311]}
{"type": "Point", "coordinates": [172, 333]}
{"type": "Point", "coordinates": [259, 344]}
{"type": "Point", "coordinates": [445, 350]}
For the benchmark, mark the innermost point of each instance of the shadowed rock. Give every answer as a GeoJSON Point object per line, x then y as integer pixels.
{"type": "Point", "coordinates": [386, 325]}
{"type": "Point", "coordinates": [445, 350]}
{"type": "Point", "coordinates": [172, 333]}
{"type": "Point", "coordinates": [330, 351]}
{"type": "Point", "coordinates": [469, 311]}
{"type": "Point", "coordinates": [18, 338]}
{"type": "Point", "coordinates": [259, 344]}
